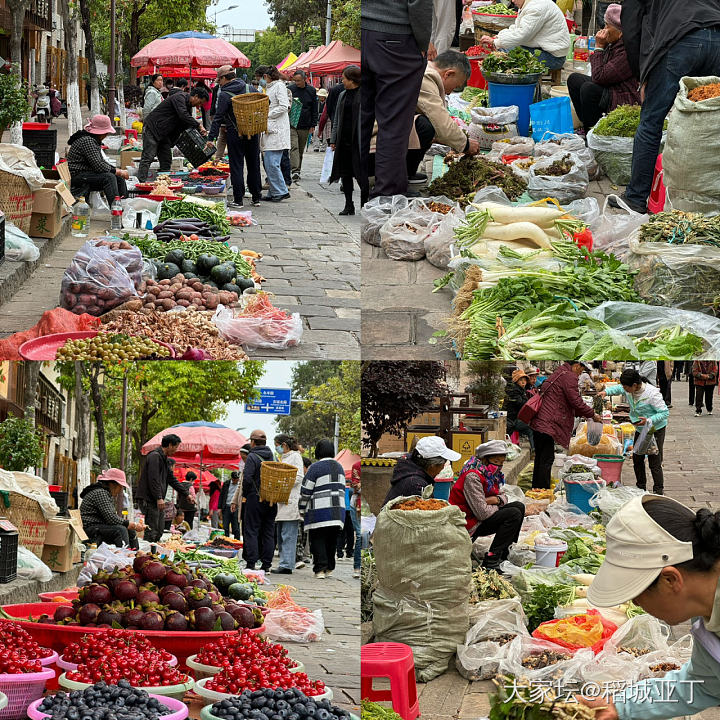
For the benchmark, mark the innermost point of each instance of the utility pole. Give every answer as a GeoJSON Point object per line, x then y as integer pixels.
{"type": "Point", "coordinates": [336, 439]}
{"type": "Point", "coordinates": [111, 69]}
{"type": "Point", "coordinates": [123, 429]}
{"type": "Point", "coordinates": [328, 24]}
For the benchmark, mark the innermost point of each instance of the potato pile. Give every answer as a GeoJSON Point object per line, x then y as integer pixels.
{"type": "Point", "coordinates": [164, 295]}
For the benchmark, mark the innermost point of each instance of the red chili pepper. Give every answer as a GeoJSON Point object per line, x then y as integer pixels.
{"type": "Point", "coordinates": [584, 239]}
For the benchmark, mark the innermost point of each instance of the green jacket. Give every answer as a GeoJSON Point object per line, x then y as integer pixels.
{"type": "Point", "coordinates": [649, 405]}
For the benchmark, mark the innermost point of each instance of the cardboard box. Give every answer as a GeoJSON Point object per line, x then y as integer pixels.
{"type": "Point", "coordinates": [127, 157]}
{"type": "Point", "coordinates": [48, 210]}
{"type": "Point", "coordinates": [60, 552]}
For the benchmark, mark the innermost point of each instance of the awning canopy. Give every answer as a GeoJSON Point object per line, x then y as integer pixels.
{"type": "Point", "coordinates": [336, 58]}
{"type": "Point", "coordinates": [347, 459]}
{"type": "Point", "coordinates": [178, 72]}
{"type": "Point", "coordinates": [190, 49]}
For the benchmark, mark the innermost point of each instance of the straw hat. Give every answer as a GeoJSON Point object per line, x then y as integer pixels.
{"type": "Point", "coordinates": [518, 374]}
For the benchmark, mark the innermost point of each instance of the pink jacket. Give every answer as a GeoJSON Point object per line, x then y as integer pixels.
{"type": "Point", "coordinates": [214, 499]}
{"type": "Point", "coordinates": [560, 405]}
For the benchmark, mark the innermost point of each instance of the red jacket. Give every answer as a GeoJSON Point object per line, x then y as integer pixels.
{"type": "Point", "coordinates": [561, 404]}
{"type": "Point", "coordinates": [611, 69]}
{"type": "Point", "coordinates": [705, 367]}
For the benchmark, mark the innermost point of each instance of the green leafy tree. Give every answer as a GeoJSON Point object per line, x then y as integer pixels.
{"type": "Point", "coordinates": [340, 395]}
{"type": "Point", "coordinates": [21, 445]}
{"type": "Point", "coordinates": [393, 393]}
{"type": "Point", "coordinates": [14, 105]}
{"type": "Point", "coordinates": [307, 422]}
{"type": "Point", "coordinates": [346, 22]}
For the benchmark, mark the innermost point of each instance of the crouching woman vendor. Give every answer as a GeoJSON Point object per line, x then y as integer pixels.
{"type": "Point", "coordinates": [99, 515]}
{"type": "Point", "coordinates": [478, 492]}
{"type": "Point", "coordinates": [665, 557]}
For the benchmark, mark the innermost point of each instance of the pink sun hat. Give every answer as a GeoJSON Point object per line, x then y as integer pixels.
{"type": "Point", "coordinates": [113, 475]}
{"type": "Point", "coordinates": [100, 125]}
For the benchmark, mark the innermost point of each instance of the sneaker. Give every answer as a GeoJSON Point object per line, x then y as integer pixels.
{"type": "Point", "coordinates": [356, 573]}
{"type": "Point", "coordinates": [612, 201]}
{"type": "Point", "coordinates": [320, 575]}
{"type": "Point", "coordinates": [698, 414]}
{"type": "Point", "coordinates": [235, 205]}
{"type": "Point", "coordinates": [255, 202]}
{"type": "Point", "coordinates": [418, 178]}
{"type": "Point", "coordinates": [299, 565]}
{"type": "Point", "coordinates": [709, 412]}
{"type": "Point", "coordinates": [281, 571]}
{"type": "Point", "coordinates": [669, 406]}
{"type": "Point", "coordinates": [328, 573]}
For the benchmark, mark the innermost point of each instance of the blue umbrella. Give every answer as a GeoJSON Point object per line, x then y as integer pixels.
{"type": "Point", "coordinates": [190, 34]}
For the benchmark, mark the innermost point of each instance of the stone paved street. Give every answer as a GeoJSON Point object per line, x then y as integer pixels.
{"type": "Point", "coordinates": [311, 263]}
{"type": "Point", "coordinates": [400, 312]}
{"type": "Point", "coordinates": [692, 476]}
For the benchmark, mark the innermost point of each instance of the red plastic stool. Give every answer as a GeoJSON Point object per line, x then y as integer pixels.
{"type": "Point", "coordinates": [658, 195]}
{"type": "Point", "coordinates": [128, 133]}
{"type": "Point", "coordinates": [394, 661]}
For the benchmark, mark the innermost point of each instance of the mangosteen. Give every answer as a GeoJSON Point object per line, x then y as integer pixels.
{"type": "Point", "coordinates": [64, 612]}
{"type": "Point", "coordinates": [198, 583]}
{"type": "Point", "coordinates": [187, 590]}
{"type": "Point", "coordinates": [199, 598]}
{"type": "Point", "coordinates": [176, 601]}
{"type": "Point", "coordinates": [132, 617]}
{"type": "Point", "coordinates": [108, 616]}
{"type": "Point", "coordinates": [217, 609]}
{"type": "Point", "coordinates": [125, 590]}
{"type": "Point", "coordinates": [140, 561]}
{"type": "Point", "coordinates": [96, 594]}
{"type": "Point", "coordinates": [169, 589]}
{"type": "Point", "coordinates": [215, 596]}
{"type": "Point", "coordinates": [176, 621]}
{"type": "Point", "coordinates": [152, 620]}
{"type": "Point", "coordinates": [153, 571]}
{"type": "Point", "coordinates": [227, 621]}
{"type": "Point", "coordinates": [146, 597]}
{"type": "Point", "coordinates": [133, 627]}
{"type": "Point", "coordinates": [88, 614]}
{"type": "Point", "coordinates": [175, 577]}
{"type": "Point", "coordinates": [244, 617]}
{"type": "Point", "coordinates": [202, 619]}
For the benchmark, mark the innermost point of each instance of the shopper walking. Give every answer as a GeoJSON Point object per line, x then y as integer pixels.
{"type": "Point", "coordinates": [355, 515]}
{"type": "Point", "coordinates": [665, 374]}
{"type": "Point", "coordinates": [322, 505]}
{"type": "Point", "coordinates": [287, 521]}
{"type": "Point", "coordinates": [214, 503]}
{"type": "Point", "coordinates": [259, 517]}
{"type": "Point", "coordinates": [276, 139]}
{"type": "Point", "coordinates": [345, 141]}
{"type": "Point", "coordinates": [646, 407]}
{"type": "Point", "coordinates": [394, 41]}
{"type": "Point", "coordinates": [561, 404]}
{"type": "Point", "coordinates": [346, 537]}
{"type": "Point", "coordinates": [155, 477]}
{"type": "Point", "coordinates": [705, 377]}
{"type": "Point", "coordinates": [307, 122]}
{"type": "Point", "coordinates": [229, 509]}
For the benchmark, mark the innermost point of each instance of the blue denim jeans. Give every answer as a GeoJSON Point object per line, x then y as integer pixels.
{"type": "Point", "coordinates": [273, 158]}
{"type": "Point", "coordinates": [287, 531]}
{"type": "Point", "coordinates": [552, 61]}
{"type": "Point", "coordinates": [355, 517]}
{"type": "Point", "coordinates": [697, 54]}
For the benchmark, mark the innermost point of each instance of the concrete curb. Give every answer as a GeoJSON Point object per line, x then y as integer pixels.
{"type": "Point", "coordinates": [14, 274]}
{"type": "Point", "coordinates": [23, 591]}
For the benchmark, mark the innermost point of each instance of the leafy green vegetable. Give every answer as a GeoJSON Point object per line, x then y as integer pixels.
{"type": "Point", "coordinates": [544, 599]}
{"type": "Point", "coordinates": [490, 585]}
{"type": "Point", "coordinates": [678, 227]}
{"type": "Point", "coordinates": [221, 565]}
{"type": "Point", "coordinates": [516, 62]}
{"type": "Point", "coordinates": [623, 121]}
{"type": "Point", "coordinates": [476, 96]}
{"type": "Point", "coordinates": [496, 9]}
{"type": "Point", "coordinates": [213, 215]}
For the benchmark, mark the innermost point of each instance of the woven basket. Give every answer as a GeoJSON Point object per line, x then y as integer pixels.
{"type": "Point", "coordinates": [276, 481]}
{"type": "Point", "coordinates": [16, 200]}
{"type": "Point", "coordinates": [251, 113]}
{"type": "Point", "coordinates": [27, 516]}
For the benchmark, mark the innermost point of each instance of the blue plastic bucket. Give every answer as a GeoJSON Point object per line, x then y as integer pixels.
{"type": "Point", "coordinates": [442, 489]}
{"type": "Point", "coordinates": [579, 493]}
{"type": "Point", "coordinates": [551, 116]}
{"type": "Point", "coordinates": [520, 95]}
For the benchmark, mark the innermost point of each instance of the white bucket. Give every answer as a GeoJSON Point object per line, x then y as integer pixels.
{"type": "Point", "coordinates": [549, 555]}
{"type": "Point", "coordinates": [562, 91]}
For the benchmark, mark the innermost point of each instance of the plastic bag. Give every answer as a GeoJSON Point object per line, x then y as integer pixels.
{"type": "Point", "coordinates": [31, 567]}
{"type": "Point", "coordinates": [375, 214]}
{"type": "Point", "coordinates": [402, 237]}
{"type": "Point", "coordinates": [479, 657]}
{"type": "Point", "coordinates": [523, 648]}
{"type": "Point", "coordinates": [594, 432]}
{"type": "Point", "coordinates": [606, 445]}
{"type": "Point", "coordinates": [519, 145]}
{"type": "Point", "coordinates": [643, 632]}
{"type": "Point", "coordinates": [18, 245]}
{"type": "Point", "coordinates": [564, 514]}
{"type": "Point", "coordinates": [645, 443]}
{"type": "Point", "coordinates": [521, 167]}
{"type": "Point", "coordinates": [488, 134]}
{"type": "Point", "coordinates": [274, 332]}
{"type": "Point", "coordinates": [438, 243]}
{"type": "Point", "coordinates": [554, 143]}
{"type": "Point", "coordinates": [660, 662]}
{"type": "Point", "coordinates": [507, 115]}
{"type": "Point", "coordinates": [563, 188]}
{"type": "Point", "coordinates": [106, 557]}
{"type": "Point", "coordinates": [585, 209]}
{"type": "Point", "coordinates": [98, 205]}
{"type": "Point", "coordinates": [684, 276]}
{"type": "Point", "coordinates": [587, 630]}
{"type": "Point", "coordinates": [300, 627]}
{"type": "Point", "coordinates": [97, 279]}
{"type": "Point", "coordinates": [148, 210]}
{"type": "Point", "coordinates": [611, 231]}
{"type": "Point", "coordinates": [326, 171]}
{"type": "Point", "coordinates": [638, 320]}
{"type": "Point", "coordinates": [609, 500]}
{"type": "Point", "coordinates": [613, 154]}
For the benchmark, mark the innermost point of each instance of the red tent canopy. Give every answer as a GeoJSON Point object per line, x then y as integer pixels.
{"type": "Point", "coordinates": [347, 459]}
{"type": "Point", "coordinates": [207, 51]}
{"type": "Point", "coordinates": [178, 72]}
{"type": "Point", "coordinates": [336, 58]}
{"type": "Point", "coordinates": [305, 59]}
{"type": "Point", "coordinates": [205, 476]}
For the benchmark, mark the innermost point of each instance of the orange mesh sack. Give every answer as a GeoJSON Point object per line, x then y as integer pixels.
{"type": "Point", "coordinates": [589, 630]}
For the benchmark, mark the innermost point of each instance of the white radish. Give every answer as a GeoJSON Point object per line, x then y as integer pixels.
{"type": "Point", "coordinates": [518, 231]}
{"type": "Point", "coordinates": [541, 216]}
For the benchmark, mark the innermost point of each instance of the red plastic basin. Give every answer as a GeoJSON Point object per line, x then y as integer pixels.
{"type": "Point", "coordinates": [181, 644]}
{"type": "Point", "coordinates": [35, 126]}
{"type": "Point", "coordinates": [66, 594]}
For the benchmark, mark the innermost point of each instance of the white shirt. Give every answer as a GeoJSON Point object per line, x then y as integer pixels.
{"type": "Point", "coordinates": [539, 24]}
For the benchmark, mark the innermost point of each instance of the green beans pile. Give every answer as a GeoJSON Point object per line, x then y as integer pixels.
{"type": "Point", "coordinates": [373, 711]}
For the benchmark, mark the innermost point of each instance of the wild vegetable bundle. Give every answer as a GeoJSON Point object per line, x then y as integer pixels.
{"type": "Point", "coordinates": [516, 62]}
{"type": "Point", "coordinates": [623, 121]}
{"type": "Point", "coordinates": [677, 228]}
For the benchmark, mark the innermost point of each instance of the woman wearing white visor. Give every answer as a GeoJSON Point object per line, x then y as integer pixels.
{"type": "Point", "coordinates": [666, 558]}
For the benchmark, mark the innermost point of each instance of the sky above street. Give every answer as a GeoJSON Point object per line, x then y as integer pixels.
{"type": "Point", "coordinates": [249, 14]}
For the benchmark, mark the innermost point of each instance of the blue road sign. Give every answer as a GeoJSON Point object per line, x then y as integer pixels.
{"type": "Point", "coordinates": [273, 401]}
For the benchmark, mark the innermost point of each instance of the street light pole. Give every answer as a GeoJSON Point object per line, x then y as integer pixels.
{"type": "Point", "coordinates": [328, 22]}
{"type": "Point", "coordinates": [111, 69]}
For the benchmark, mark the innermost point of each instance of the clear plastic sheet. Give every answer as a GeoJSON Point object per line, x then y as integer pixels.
{"type": "Point", "coordinates": [611, 231]}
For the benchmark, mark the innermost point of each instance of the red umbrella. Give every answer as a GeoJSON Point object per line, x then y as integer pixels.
{"type": "Point", "coordinates": [190, 49]}
{"type": "Point", "coordinates": [202, 443]}
{"type": "Point", "coordinates": [204, 475]}
{"type": "Point", "coordinates": [177, 72]}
